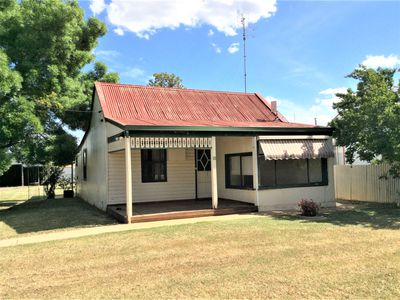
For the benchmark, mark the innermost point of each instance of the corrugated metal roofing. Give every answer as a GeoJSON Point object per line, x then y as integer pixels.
{"type": "Point", "coordinates": [297, 149]}
{"type": "Point", "coordinates": [155, 106]}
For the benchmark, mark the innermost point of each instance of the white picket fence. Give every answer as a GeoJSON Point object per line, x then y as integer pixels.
{"type": "Point", "coordinates": [362, 183]}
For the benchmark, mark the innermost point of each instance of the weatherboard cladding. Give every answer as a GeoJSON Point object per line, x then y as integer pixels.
{"type": "Point", "coordinates": [155, 106]}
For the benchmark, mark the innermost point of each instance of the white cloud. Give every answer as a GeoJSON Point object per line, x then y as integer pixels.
{"type": "Point", "coordinates": [210, 32]}
{"type": "Point", "coordinates": [134, 73]}
{"type": "Point", "coordinates": [340, 90]}
{"type": "Point", "coordinates": [106, 53]}
{"type": "Point", "coordinates": [216, 48]}
{"type": "Point", "coordinates": [119, 31]}
{"type": "Point", "coordinates": [233, 48]}
{"type": "Point", "coordinates": [97, 6]}
{"type": "Point", "coordinates": [321, 109]}
{"type": "Point", "coordinates": [145, 17]}
{"type": "Point", "coordinates": [376, 61]}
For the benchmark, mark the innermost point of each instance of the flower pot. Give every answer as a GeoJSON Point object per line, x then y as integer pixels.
{"type": "Point", "coordinates": [68, 194]}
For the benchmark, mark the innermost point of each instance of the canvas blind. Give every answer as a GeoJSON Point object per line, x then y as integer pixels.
{"type": "Point", "coordinates": [279, 149]}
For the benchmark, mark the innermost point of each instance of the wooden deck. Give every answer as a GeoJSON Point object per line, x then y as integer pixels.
{"type": "Point", "coordinates": [179, 209]}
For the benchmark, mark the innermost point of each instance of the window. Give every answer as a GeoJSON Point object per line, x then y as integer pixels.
{"type": "Point", "coordinates": [239, 171]}
{"type": "Point", "coordinates": [292, 172]}
{"type": "Point", "coordinates": [84, 164]}
{"type": "Point", "coordinates": [203, 159]}
{"type": "Point", "coordinates": [154, 165]}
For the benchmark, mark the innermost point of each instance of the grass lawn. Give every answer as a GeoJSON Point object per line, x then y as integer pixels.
{"type": "Point", "coordinates": [348, 254]}
{"type": "Point", "coordinates": [37, 215]}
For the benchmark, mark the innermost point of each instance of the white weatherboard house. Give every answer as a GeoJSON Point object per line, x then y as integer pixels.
{"type": "Point", "coordinates": [153, 151]}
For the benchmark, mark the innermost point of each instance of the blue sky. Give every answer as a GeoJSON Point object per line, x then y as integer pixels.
{"type": "Point", "coordinates": [299, 52]}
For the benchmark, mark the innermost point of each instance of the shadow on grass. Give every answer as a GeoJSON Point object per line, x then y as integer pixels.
{"type": "Point", "coordinates": [370, 215]}
{"type": "Point", "coordinates": [38, 214]}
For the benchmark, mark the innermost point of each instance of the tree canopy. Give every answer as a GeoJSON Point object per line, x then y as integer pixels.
{"type": "Point", "coordinates": [164, 79]}
{"type": "Point", "coordinates": [44, 44]}
{"type": "Point", "coordinates": [368, 120]}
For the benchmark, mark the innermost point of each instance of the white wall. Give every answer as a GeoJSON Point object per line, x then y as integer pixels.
{"type": "Point", "coordinates": [288, 198]}
{"type": "Point", "coordinates": [232, 145]}
{"type": "Point", "coordinates": [180, 183]}
{"type": "Point", "coordinates": [94, 189]}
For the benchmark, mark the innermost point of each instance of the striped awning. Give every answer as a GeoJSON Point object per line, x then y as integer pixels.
{"type": "Point", "coordinates": [278, 149]}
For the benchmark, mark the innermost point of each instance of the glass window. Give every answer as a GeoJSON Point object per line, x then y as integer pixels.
{"type": "Point", "coordinates": [154, 165]}
{"type": "Point", "coordinates": [239, 170]}
{"type": "Point", "coordinates": [292, 172]}
{"type": "Point", "coordinates": [84, 164]}
{"type": "Point", "coordinates": [266, 171]}
{"type": "Point", "coordinates": [203, 159]}
{"type": "Point", "coordinates": [315, 167]}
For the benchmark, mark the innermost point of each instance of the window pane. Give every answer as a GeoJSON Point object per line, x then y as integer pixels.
{"type": "Point", "coordinates": [154, 165]}
{"type": "Point", "coordinates": [266, 171]}
{"type": "Point", "coordinates": [247, 171]}
{"type": "Point", "coordinates": [315, 170]}
{"type": "Point", "coordinates": [235, 178]}
{"type": "Point", "coordinates": [292, 171]}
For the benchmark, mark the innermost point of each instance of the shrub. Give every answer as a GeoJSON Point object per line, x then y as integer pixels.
{"type": "Point", "coordinates": [308, 207]}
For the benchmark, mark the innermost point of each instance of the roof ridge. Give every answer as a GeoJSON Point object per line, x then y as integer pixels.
{"type": "Point", "coordinates": [171, 88]}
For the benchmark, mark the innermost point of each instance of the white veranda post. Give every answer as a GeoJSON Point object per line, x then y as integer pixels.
{"type": "Point", "coordinates": [128, 179]}
{"type": "Point", "coordinates": [214, 186]}
{"type": "Point", "coordinates": [255, 169]}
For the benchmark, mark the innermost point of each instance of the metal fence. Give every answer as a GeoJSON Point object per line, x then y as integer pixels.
{"type": "Point", "coordinates": [363, 183]}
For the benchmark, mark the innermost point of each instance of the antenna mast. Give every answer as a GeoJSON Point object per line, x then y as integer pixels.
{"type": "Point", "coordinates": [243, 20]}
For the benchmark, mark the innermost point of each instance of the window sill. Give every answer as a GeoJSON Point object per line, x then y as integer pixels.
{"type": "Point", "coordinates": [159, 181]}
{"type": "Point", "coordinates": [277, 187]}
{"type": "Point", "coordinates": [240, 188]}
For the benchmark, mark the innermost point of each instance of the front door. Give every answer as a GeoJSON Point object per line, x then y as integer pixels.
{"type": "Point", "coordinates": [203, 167]}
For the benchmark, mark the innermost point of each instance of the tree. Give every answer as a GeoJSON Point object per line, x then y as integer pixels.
{"type": "Point", "coordinates": [77, 114]}
{"type": "Point", "coordinates": [17, 114]}
{"type": "Point", "coordinates": [44, 46]}
{"type": "Point", "coordinates": [368, 120]}
{"type": "Point", "coordinates": [164, 79]}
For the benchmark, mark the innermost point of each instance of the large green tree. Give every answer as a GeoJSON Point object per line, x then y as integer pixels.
{"type": "Point", "coordinates": [44, 44]}
{"type": "Point", "coordinates": [164, 79]}
{"type": "Point", "coordinates": [368, 120]}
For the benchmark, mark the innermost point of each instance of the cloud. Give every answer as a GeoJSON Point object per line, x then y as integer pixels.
{"type": "Point", "coordinates": [216, 48]}
{"type": "Point", "coordinates": [97, 6]}
{"type": "Point", "coordinates": [134, 73]}
{"type": "Point", "coordinates": [340, 90]}
{"type": "Point", "coordinates": [145, 18]}
{"type": "Point", "coordinates": [233, 48]}
{"type": "Point", "coordinates": [210, 32]}
{"type": "Point", "coordinates": [376, 61]}
{"type": "Point", "coordinates": [321, 109]}
{"type": "Point", "coordinates": [119, 31]}
{"type": "Point", "coordinates": [107, 54]}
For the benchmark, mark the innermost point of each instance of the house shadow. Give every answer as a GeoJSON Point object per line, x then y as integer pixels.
{"type": "Point", "coordinates": [38, 214]}
{"type": "Point", "coordinates": [368, 215]}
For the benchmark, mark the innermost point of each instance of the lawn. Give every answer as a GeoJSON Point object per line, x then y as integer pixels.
{"type": "Point", "coordinates": [19, 216]}
{"type": "Point", "coordinates": [347, 254]}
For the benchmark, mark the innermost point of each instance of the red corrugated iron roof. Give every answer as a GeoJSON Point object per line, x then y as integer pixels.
{"type": "Point", "coordinates": [155, 106]}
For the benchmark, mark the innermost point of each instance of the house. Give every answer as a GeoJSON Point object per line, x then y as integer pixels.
{"type": "Point", "coordinates": [150, 146]}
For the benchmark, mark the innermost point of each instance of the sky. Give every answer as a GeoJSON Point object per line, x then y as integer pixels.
{"type": "Point", "coordinates": [298, 52]}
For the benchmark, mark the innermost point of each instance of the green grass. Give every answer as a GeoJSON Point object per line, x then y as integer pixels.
{"type": "Point", "coordinates": [39, 215]}
{"type": "Point", "coordinates": [347, 254]}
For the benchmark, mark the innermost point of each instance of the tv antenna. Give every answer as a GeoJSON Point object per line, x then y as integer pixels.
{"type": "Point", "coordinates": [243, 21]}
